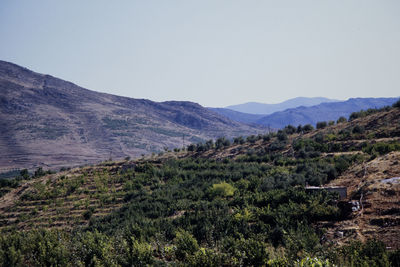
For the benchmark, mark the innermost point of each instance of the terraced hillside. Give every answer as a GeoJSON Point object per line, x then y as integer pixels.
{"type": "Point", "coordinates": [66, 199]}
{"type": "Point", "coordinates": [222, 202]}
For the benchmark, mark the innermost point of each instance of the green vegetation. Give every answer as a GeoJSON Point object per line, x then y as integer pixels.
{"type": "Point", "coordinates": [364, 113]}
{"type": "Point", "coordinates": [397, 104]}
{"type": "Point", "coordinates": [248, 207]}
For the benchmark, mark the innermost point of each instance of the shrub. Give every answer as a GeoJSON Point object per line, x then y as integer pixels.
{"type": "Point", "coordinates": [191, 147]}
{"type": "Point", "coordinates": [394, 258]}
{"type": "Point", "coordinates": [140, 254]}
{"type": "Point", "coordinates": [397, 104]}
{"type": "Point", "coordinates": [254, 252]}
{"type": "Point", "coordinates": [371, 253]}
{"type": "Point", "coordinates": [266, 137]}
{"type": "Point", "coordinates": [282, 136]}
{"type": "Point", "coordinates": [251, 139]}
{"type": "Point", "coordinates": [321, 124]}
{"type": "Point", "coordinates": [205, 257]}
{"type": "Point", "coordinates": [299, 129]}
{"type": "Point", "coordinates": [222, 142]}
{"type": "Point", "coordinates": [238, 140]}
{"type": "Point", "coordinates": [358, 129]}
{"type": "Point", "coordinates": [186, 244]}
{"type": "Point", "coordinates": [222, 190]}
{"type": "Point", "coordinates": [341, 120]}
{"type": "Point", "coordinates": [308, 128]}
{"type": "Point", "coordinates": [289, 129]}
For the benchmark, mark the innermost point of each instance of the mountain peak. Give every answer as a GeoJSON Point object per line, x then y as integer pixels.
{"type": "Point", "coordinates": [71, 125]}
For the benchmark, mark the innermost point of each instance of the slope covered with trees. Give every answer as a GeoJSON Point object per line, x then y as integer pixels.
{"type": "Point", "coordinates": [239, 202]}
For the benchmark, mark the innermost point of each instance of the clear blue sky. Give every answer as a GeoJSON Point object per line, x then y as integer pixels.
{"type": "Point", "coordinates": [215, 53]}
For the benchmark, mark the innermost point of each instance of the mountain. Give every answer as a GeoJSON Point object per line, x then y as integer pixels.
{"type": "Point", "coordinates": [238, 116]}
{"type": "Point", "coordinates": [322, 112]}
{"type": "Point", "coordinates": [243, 203]}
{"type": "Point", "coordinates": [265, 109]}
{"type": "Point", "coordinates": [49, 122]}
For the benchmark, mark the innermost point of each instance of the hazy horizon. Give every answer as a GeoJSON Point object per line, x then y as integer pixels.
{"type": "Point", "coordinates": [214, 53]}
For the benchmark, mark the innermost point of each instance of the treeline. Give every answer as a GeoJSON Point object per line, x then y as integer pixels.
{"type": "Point", "coordinates": [7, 184]}
{"type": "Point", "coordinates": [60, 248]}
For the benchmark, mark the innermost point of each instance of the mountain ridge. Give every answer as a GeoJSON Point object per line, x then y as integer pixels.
{"type": "Point", "coordinates": [265, 109]}
{"type": "Point", "coordinates": [322, 112]}
{"type": "Point", "coordinates": [49, 122]}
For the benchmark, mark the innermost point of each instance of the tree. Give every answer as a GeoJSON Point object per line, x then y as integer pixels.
{"type": "Point", "coordinates": [39, 172]}
{"type": "Point", "coordinates": [24, 174]}
{"type": "Point", "coordinates": [238, 140]}
{"type": "Point", "coordinates": [289, 129]}
{"type": "Point", "coordinates": [222, 142]}
{"type": "Point", "coordinates": [186, 244]}
{"type": "Point", "coordinates": [222, 190]}
{"type": "Point", "coordinates": [282, 136]}
{"type": "Point", "coordinates": [341, 120]}
{"type": "Point", "coordinates": [308, 128]}
{"type": "Point", "coordinates": [321, 124]}
{"type": "Point", "coordinates": [397, 104]}
{"type": "Point", "coordinates": [299, 129]}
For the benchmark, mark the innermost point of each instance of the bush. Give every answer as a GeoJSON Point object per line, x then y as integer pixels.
{"type": "Point", "coordinates": [254, 252]}
{"type": "Point", "coordinates": [321, 124]}
{"type": "Point", "coordinates": [299, 129]}
{"type": "Point", "coordinates": [371, 253]}
{"type": "Point", "coordinates": [222, 142]}
{"type": "Point", "coordinates": [308, 128]}
{"type": "Point", "coordinates": [251, 139]}
{"type": "Point", "coordinates": [289, 129]}
{"type": "Point", "coordinates": [282, 136]}
{"type": "Point", "coordinates": [397, 104]}
{"type": "Point", "coordinates": [238, 140]}
{"type": "Point", "coordinates": [222, 190]}
{"type": "Point", "coordinates": [191, 147]}
{"type": "Point", "coordinates": [205, 258]}
{"type": "Point", "coordinates": [394, 258]}
{"type": "Point", "coordinates": [140, 254]}
{"type": "Point", "coordinates": [341, 120]}
{"type": "Point", "coordinates": [186, 244]}
{"type": "Point", "coordinates": [358, 129]}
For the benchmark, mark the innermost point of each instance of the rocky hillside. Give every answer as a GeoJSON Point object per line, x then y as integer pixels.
{"type": "Point", "coordinates": [45, 121]}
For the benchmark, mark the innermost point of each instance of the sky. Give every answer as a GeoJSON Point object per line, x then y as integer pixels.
{"type": "Point", "coordinates": [216, 53]}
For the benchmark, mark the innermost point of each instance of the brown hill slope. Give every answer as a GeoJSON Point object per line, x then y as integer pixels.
{"type": "Point", "coordinates": [45, 121]}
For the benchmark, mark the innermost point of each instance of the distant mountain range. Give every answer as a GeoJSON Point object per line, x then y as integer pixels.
{"type": "Point", "coordinates": [307, 115]}
{"type": "Point", "coordinates": [322, 112]}
{"type": "Point", "coordinates": [45, 121]}
{"type": "Point", "coordinates": [265, 109]}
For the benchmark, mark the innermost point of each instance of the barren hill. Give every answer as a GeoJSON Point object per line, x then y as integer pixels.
{"type": "Point", "coordinates": [45, 121]}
